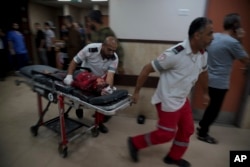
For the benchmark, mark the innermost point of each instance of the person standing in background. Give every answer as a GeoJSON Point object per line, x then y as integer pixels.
{"type": "Point", "coordinates": [99, 32]}
{"type": "Point", "coordinates": [74, 41]}
{"type": "Point", "coordinates": [17, 47]}
{"type": "Point", "coordinates": [40, 44]}
{"type": "Point", "coordinates": [80, 28]}
{"type": "Point", "coordinates": [4, 62]}
{"type": "Point", "coordinates": [222, 52]}
{"type": "Point", "coordinates": [50, 43]}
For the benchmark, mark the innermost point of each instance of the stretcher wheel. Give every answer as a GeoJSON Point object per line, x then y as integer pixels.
{"type": "Point", "coordinates": [63, 150]}
{"type": "Point", "coordinates": [79, 113]}
{"type": "Point", "coordinates": [95, 132]}
{"type": "Point", "coordinates": [34, 130]}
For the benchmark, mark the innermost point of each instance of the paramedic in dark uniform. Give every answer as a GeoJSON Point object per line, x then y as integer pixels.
{"type": "Point", "coordinates": [179, 67]}
{"type": "Point", "coordinates": [101, 59]}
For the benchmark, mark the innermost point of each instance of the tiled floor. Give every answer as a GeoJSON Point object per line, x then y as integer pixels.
{"type": "Point", "coordinates": [18, 148]}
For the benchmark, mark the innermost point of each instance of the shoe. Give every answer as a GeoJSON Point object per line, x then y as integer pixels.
{"type": "Point", "coordinates": [107, 118]}
{"type": "Point", "coordinates": [102, 128]}
{"type": "Point", "coordinates": [180, 163]}
{"type": "Point", "coordinates": [79, 113]}
{"type": "Point", "coordinates": [132, 150]}
{"type": "Point", "coordinates": [207, 139]}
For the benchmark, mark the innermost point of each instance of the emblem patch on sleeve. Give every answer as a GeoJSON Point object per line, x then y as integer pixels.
{"type": "Point", "coordinates": [161, 57]}
{"type": "Point", "coordinates": [93, 50]}
{"type": "Point", "coordinates": [178, 49]}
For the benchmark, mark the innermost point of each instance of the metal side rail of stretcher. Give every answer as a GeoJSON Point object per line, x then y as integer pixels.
{"type": "Point", "coordinates": [63, 125]}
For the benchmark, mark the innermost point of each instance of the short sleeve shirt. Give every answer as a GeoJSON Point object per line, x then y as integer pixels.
{"type": "Point", "coordinates": [48, 35]}
{"type": "Point", "coordinates": [18, 42]}
{"type": "Point", "coordinates": [90, 57]}
{"type": "Point", "coordinates": [179, 69]}
{"type": "Point", "coordinates": [223, 50]}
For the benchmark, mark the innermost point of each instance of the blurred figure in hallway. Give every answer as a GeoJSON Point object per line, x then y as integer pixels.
{"type": "Point", "coordinates": [40, 44]}
{"type": "Point", "coordinates": [50, 43]}
{"type": "Point", "coordinates": [74, 41]}
{"type": "Point", "coordinates": [81, 29]}
{"type": "Point", "coordinates": [4, 62]}
{"type": "Point", "coordinates": [17, 48]}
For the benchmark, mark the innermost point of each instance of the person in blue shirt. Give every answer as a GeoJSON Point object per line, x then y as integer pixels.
{"type": "Point", "coordinates": [224, 49]}
{"type": "Point", "coordinates": [4, 63]}
{"type": "Point", "coordinates": [17, 47]}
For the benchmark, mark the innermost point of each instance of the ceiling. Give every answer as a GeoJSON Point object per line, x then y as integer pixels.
{"type": "Point", "coordinates": [83, 4]}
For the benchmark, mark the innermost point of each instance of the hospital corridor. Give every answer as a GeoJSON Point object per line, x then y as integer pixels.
{"type": "Point", "coordinates": [124, 83]}
{"type": "Point", "coordinates": [19, 148]}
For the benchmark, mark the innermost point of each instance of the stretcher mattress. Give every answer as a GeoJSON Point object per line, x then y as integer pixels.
{"type": "Point", "coordinates": [48, 81]}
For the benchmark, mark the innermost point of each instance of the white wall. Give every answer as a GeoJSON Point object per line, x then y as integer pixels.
{"type": "Point", "coordinates": [153, 19]}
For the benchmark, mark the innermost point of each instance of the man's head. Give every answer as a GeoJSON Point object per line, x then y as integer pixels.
{"type": "Point", "coordinates": [37, 25]}
{"type": "Point", "coordinates": [68, 21]}
{"type": "Point", "coordinates": [231, 22]}
{"type": "Point", "coordinates": [94, 19]}
{"type": "Point", "coordinates": [200, 33]}
{"type": "Point", "coordinates": [233, 26]}
{"type": "Point", "coordinates": [109, 47]}
{"type": "Point", "coordinates": [15, 26]}
{"type": "Point", "coordinates": [49, 25]}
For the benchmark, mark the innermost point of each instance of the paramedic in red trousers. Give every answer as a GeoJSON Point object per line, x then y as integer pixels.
{"type": "Point", "coordinates": [102, 60]}
{"type": "Point", "coordinates": [179, 68]}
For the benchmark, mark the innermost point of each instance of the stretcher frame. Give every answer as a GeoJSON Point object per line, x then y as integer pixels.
{"type": "Point", "coordinates": [62, 98]}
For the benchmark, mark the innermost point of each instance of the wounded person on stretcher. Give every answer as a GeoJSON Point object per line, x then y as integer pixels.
{"type": "Point", "coordinates": [87, 81]}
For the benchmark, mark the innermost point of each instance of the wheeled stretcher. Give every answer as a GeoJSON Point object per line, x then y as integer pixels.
{"type": "Point", "coordinates": [47, 82]}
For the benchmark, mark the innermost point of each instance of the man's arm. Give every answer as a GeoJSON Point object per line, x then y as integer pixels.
{"type": "Point", "coordinates": [110, 79]}
{"type": "Point", "coordinates": [203, 80]}
{"type": "Point", "coordinates": [147, 69]}
{"type": "Point", "coordinates": [69, 78]}
{"type": "Point", "coordinates": [245, 60]}
{"type": "Point", "coordinates": [11, 48]}
{"type": "Point", "coordinates": [72, 67]}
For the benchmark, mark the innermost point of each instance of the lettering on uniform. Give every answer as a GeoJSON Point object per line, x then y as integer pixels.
{"type": "Point", "coordinates": [93, 50]}
{"type": "Point", "coordinates": [177, 49]}
{"type": "Point", "coordinates": [239, 158]}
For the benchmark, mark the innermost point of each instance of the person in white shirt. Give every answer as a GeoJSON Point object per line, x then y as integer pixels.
{"type": "Point", "coordinates": [50, 41]}
{"type": "Point", "coordinates": [179, 67]}
{"type": "Point", "coordinates": [102, 60]}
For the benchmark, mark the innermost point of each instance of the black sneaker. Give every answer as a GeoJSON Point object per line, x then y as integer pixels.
{"type": "Point", "coordinates": [79, 113]}
{"type": "Point", "coordinates": [102, 128]}
{"type": "Point", "coordinates": [180, 163]}
{"type": "Point", "coordinates": [132, 150]}
{"type": "Point", "coordinates": [207, 139]}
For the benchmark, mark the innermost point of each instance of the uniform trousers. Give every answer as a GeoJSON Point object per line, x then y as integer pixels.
{"type": "Point", "coordinates": [177, 125]}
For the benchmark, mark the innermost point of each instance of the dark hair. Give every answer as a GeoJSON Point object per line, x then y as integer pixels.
{"type": "Point", "coordinates": [231, 21]}
{"type": "Point", "coordinates": [198, 24]}
{"type": "Point", "coordinates": [69, 18]}
{"type": "Point", "coordinates": [96, 15]}
{"type": "Point", "coordinates": [47, 24]}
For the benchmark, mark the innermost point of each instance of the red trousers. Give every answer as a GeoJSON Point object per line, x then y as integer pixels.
{"type": "Point", "coordinates": [176, 125]}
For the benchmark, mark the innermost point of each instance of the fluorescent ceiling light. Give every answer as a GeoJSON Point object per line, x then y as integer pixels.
{"type": "Point", "coordinates": [98, 0]}
{"type": "Point", "coordinates": [69, 0]}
